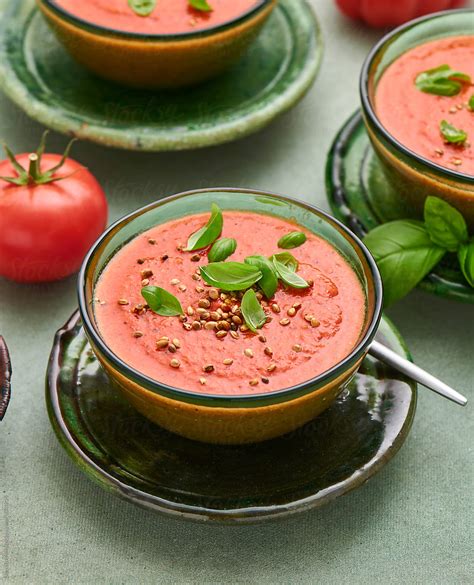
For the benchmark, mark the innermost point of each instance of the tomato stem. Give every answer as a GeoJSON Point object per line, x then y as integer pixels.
{"type": "Point", "coordinates": [33, 171]}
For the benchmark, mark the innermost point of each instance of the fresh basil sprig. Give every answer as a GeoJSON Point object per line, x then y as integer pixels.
{"type": "Point", "coordinates": [222, 249]}
{"type": "Point", "coordinates": [230, 275]}
{"type": "Point", "coordinates": [452, 134]}
{"type": "Point", "coordinates": [269, 281]}
{"type": "Point", "coordinates": [466, 261]}
{"type": "Point", "coordinates": [161, 301]}
{"type": "Point", "coordinates": [292, 240]}
{"type": "Point", "coordinates": [446, 226]}
{"type": "Point", "coordinates": [287, 259]}
{"type": "Point", "coordinates": [441, 80]}
{"type": "Point", "coordinates": [470, 103]}
{"type": "Point", "coordinates": [142, 7]}
{"type": "Point", "coordinates": [201, 5]}
{"type": "Point", "coordinates": [252, 311]}
{"type": "Point", "coordinates": [406, 250]}
{"type": "Point", "coordinates": [289, 277]}
{"type": "Point", "coordinates": [208, 233]}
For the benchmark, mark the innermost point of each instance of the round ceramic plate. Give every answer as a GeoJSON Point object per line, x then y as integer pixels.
{"type": "Point", "coordinates": [360, 197]}
{"type": "Point", "coordinates": [144, 464]}
{"type": "Point", "coordinates": [39, 76]}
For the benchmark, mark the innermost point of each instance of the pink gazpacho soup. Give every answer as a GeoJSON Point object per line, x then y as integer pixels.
{"type": "Point", "coordinates": [425, 100]}
{"type": "Point", "coordinates": [210, 348]}
{"type": "Point", "coordinates": [164, 17]}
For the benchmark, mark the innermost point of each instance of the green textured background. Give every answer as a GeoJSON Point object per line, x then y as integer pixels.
{"type": "Point", "coordinates": [412, 523]}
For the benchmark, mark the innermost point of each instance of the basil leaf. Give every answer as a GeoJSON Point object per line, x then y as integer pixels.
{"type": "Point", "coordinates": [441, 80]}
{"type": "Point", "coordinates": [161, 301]}
{"type": "Point", "coordinates": [292, 240]}
{"type": "Point", "coordinates": [452, 134]}
{"type": "Point", "coordinates": [208, 233]}
{"type": "Point", "coordinates": [466, 261]}
{"type": "Point", "coordinates": [201, 5]}
{"type": "Point", "coordinates": [470, 103]}
{"type": "Point", "coordinates": [269, 281]}
{"type": "Point", "coordinates": [222, 249]}
{"type": "Point", "coordinates": [252, 311]}
{"type": "Point", "coordinates": [230, 275]}
{"type": "Point", "coordinates": [289, 277]}
{"type": "Point", "coordinates": [287, 259]}
{"type": "Point", "coordinates": [446, 226]}
{"type": "Point", "coordinates": [404, 253]}
{"type": "Point", "coordinates": [142, 7]}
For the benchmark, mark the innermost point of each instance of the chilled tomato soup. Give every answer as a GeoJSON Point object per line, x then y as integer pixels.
{"type": "Point", "coordinates": [415, 117]}
{"type": "Point", "coordinates": [167, 17]}
{"type": "Point", "coordinates": [209, 348]}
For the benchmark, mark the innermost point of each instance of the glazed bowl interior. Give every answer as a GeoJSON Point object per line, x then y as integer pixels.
{"type": "Point", "coordinates": [392, 46]}
{"type": "Point", "coordinates": [195, 202]}
{"type": "Point", "coordinates": [109, 31]}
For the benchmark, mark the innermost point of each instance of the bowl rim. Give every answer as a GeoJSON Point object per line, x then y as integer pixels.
{"type": "Point", "coordinates": [110, 31]}
{"type": "Point", "coordinates": [255, 400]}
{"type": "Point", "coordinates": [369, 110]}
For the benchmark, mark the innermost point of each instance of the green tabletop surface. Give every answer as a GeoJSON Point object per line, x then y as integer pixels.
{"type": "Point", "coordinates": [411, 523]}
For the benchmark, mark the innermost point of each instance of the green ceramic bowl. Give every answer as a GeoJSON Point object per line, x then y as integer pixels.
{"type": "Point", "coordinates": [156, 61]}
{"type": "Point", "coordinates": [411, 175]}
{"type": "Point", "coordinates": [231, 419]}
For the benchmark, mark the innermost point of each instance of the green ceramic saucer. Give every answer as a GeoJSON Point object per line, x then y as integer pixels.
{"type": "Point", "coordinates": [360, 197]}
{"type": "Point", "coordinates": [144, 464]}
{"type": "Point", "coordinates": [39, 76]}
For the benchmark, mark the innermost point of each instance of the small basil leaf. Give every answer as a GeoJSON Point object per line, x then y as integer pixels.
{"type": "Point", "coordinates": [470, 103]}
{"type": "Point", "coordinates": [289, 277]}
{"type": "Point", "coordinates": [287, 259]}
{"type": "Point", "coordinates": [441, 80]}
{"type": "Point", "coordinates": [161, 301]}
{"type": "Point", "coordinates": [201, 5]}
{"type": "Point", "coordinates": [466, 261]}
{"type": "Point", "coordinates": [291, 240]}
{"type": "Point", "coordinates": [404, 253]}
{"type": "Point", "coordinates": [230, 275]}
{"type": "Point", "coordinates": [269, 281]}
{"type": "Point", "coordinates": [446, 226]}
{"type": "Point", "coordinates": [142, 7]}
{"type": "Point", "coordinates": [452, 134]}
{"type": "Point", "coordinates": [222, 249]}
{"type": "Point", "coordinates": [252, 311]}
{"type": "Point", "coordinates": [208, 233]}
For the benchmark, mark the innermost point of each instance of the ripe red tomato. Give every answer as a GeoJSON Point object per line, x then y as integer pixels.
{"type": "Point", "coordinates": [381, 13]}
{"type": "Point", "coordinates": [48, 220]}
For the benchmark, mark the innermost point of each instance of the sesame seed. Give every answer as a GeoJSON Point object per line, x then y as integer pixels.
{"type": "Point", "coordinates": [213, 294]}
{"type": "Point", "coordinates": [190, 311]}
{"type": "Point", "coordinates": [248, 352]}
{"type": "Point", "coordinates": [204, 316]}
{"type": "Point", "coordinates": [253, 382]}
{"type": "Point", "coordinates": [151, 241]}
{"type": "Point", "coordinates": [457, 161]}
{"type": "Point", "coordinates": [204, 304]}
{"type": "Point", "coordinates": [187, 326]}
{"type": "Point", "coordinates": [174, 363]}
{"type": "Point", "coordinates": [164, 257]}
{"type": "Point", "coordinates": [174, 281]}
{"type": "Point", "coordinates": [221, 334]}
{"type": "Point", "coordinates": [262, 338]}
{"type": "Point", "coordinates": [308, 318]}
{"type": "Point", "coordinates": [146, 273]}
{"type": "Point", "coordinates": [172, 348]}
{"type": "Point", "coordinates": [297, 347]}
{"type": "Point", "coordinates": [265, 380]}
{"type": "Point", "coordinates": [195, 276]}
{"type": "Point", "coordinates": [145, 282]}
{"type": "Point", "coordinates": [137, 334]}
{"type": "Point", "coordinates": [271, 368]}
{"type": "Point", "coordinates": [244, 328]}
{"type": "Point", "coordinates": [284, 321]}
{"type": "Point", "coordinates": [275, 308]}
{"type": "Point", "coordinates": [162, 343]}
{"type": "Point", "coordinates": [297, 305]}
{"type": "Point", "coordinates": [182, 287]}
{"type": "Point", "coordinates": [228, 362]}
{"type": "Point", "coordinates": [259, 296]}
{"type": "Point", "coordinates": [202, 381]}
{"type": "Point", "coordinates": [291, 312]}
{"type": "Point", "coordinates": [177, 343]}
{"type": "Point", "coordinates": [315, 322]}
{"type": "Point", "coordinates": [237, 320]}
{"type": "Point", "coordinates": [196, 325]}
{"type": "Point", "coordinates": [224, 325]}
{"type": "Point", "coordinates": [141, 261]}
{"type": "Point", "coordinates": [453, 110]}
{"type": "Point", "coordinates": [199, 289]}
{"type": "Point", "coordinates": [208, 368]}
{"type": "Point", "coordinates": [234, 334]}
{"type": "Point", "coordinates": [439, 151]}
{"type": "Point", "coordinates": [195, 258]}
{"type": "Point", "coordinates": [268, 351]}
{"type": "Point", "coordinates": [210, 325]}
{"type": "Point", "coordinates": [123, 302]}
{"type": "Point", "coordinates": [214, 316]}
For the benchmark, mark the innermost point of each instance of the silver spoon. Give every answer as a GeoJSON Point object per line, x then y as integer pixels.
{"type": "Point", "coordinates": [379, 351]}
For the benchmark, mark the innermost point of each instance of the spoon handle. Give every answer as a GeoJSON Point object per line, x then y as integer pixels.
{"type": "Point", "coordinates": [416, 373]}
